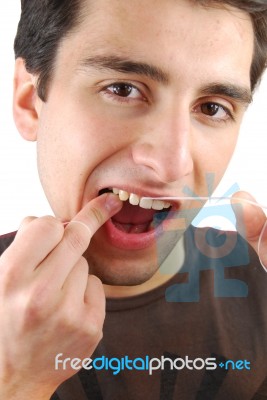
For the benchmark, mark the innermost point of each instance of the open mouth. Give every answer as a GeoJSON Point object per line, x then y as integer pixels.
{"type": "Point", "coordinates": [138, 214]}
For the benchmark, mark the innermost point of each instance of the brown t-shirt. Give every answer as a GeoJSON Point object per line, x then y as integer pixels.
{"type": "Point", "coordinates": [215, 308]}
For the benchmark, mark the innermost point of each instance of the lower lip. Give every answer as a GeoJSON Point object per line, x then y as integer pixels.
{"type": "Point", "coordinates": [131, 241]}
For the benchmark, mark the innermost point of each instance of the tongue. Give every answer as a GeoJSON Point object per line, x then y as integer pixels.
{"type": "Point", "coordinates": [132, 228]}
{"type": "Point", "coordinates": [134, 215]}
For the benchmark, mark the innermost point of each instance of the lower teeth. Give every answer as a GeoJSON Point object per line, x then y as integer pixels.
{"type": "Point", "coordinates": [122, 227]}
{"type": "Point", "coordinates": [132, 228]}
{"type": "Point", "coordinates": [158, 218]}
{"type": "Point", "coordinates": [140, 228]}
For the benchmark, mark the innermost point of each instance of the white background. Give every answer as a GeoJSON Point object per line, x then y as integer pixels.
{"type": "Point", "coordinates": [21, 193]}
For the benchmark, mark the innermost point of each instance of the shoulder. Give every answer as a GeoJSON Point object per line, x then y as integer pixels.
{"type": "Point", "coordinates": [6, 240]}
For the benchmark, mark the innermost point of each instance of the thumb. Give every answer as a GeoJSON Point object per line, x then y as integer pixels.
{"type": "Point", "coordinates": [250, 223]}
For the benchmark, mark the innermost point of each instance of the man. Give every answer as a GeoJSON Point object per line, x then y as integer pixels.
{"type": "Point", "coordinates": [144, 99]}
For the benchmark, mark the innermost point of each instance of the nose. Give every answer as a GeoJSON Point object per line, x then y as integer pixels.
{"type": "Point", "coordinates": [165, 146]}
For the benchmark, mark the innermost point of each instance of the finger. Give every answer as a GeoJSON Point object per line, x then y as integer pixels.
{"type": "Point", "coordinates": [78, 233]}
{"type": "Point", "coordinates": [36, 240]}
{"type": "Point", "coordinates": [98, 211]}
{"type": "Point", "coordinates": [24, 223]}
{"type": "Point", "coordinates": [95, 302]}
{"type": "Point", "coordinates": [250, 218]}
{"type": "Point", "coordinates": [84, 298]}
{"type": "Point", "coordinates": [75, 285]}
{"type": "Point", "coordinates": [89, 312]}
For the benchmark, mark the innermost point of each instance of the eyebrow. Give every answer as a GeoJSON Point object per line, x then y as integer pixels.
{"type": "Point", "coordinates": [123, 65]}
{"type": "Point", "coordinates": [239, 93]}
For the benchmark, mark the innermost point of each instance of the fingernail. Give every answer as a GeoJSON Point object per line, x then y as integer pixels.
{"type": "Point", "coordinates": [113, 202]}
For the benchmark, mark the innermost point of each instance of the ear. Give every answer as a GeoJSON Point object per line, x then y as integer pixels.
{"type": "Point", "coordinates": [25, 102]}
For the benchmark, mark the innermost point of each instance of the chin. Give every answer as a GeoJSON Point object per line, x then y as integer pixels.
{"type": "Point", "coordinates": [124, 268]}
{"type": "Point", "coordinates": [122, 272]}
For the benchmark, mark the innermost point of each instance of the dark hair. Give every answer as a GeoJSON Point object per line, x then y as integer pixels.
{"type": "Point", "coordinates": [45, 23]}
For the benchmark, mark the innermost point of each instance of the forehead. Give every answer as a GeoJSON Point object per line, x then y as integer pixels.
{"type": "Point", "coordinates": [173, 33]}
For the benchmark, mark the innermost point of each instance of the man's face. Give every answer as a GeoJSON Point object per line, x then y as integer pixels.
{"type": "Point", "coordinates": [146, 96]}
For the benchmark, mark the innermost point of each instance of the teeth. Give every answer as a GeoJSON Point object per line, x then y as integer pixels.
{"type": "Point", "coordinates": [123, 195]}
{"type": "Point", "coordinates": [136, 200]}
{"type": "Point", "coordinates": [146, 203]}
{"type": "Point", "coordinates": [166, 204]}
{"type": "Point", "coordinates": [157, 204]}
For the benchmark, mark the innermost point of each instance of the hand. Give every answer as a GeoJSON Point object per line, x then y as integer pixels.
{"type": "Point", "coordinates": [251, 224]}
{"type": "Point", "coordinates": [48, 302]}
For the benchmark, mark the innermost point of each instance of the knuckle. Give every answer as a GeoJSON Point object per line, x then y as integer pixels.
{"type": "Point", "coordinates": [26, 221]}
{"type": "Point", "coordinates": [51, 226]}
{"type": "Point", "coordinates": [97, 215]}
{"type": "Point", "coordinates": [31, 308]}
{"type": "Point", "coordinates": [76, 323]}
{"type": "Point", "coordinates": [35, 305]}
{"type": "Point", "coordinates": [83, 265]}
{"type": "Point", "coordinates": [32, 315]}
{"type": "Point", "coordinates": [76, 241]}
{"type": "Point", "coordinates": [49, 222]}
{"type": "Point", "coordinates": [68, 323]}
{"type": "Point", "coordinates": [95, 326]}
{"type": "Point", "coordinates": [9, 278]}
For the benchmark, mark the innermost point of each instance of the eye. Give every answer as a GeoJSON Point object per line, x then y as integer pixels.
{"type": "Point", "coordinates": [216, 111]}
{"type": "Point", "coordinates": [123, 92]}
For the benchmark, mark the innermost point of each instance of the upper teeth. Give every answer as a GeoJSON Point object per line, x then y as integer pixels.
{"type": "Point", "coordinates": [136, 200]}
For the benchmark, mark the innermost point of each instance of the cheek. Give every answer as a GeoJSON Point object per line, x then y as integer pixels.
{"type": "Point", "coordinates": [69, 148]}
{"type": "Point", "coordinates": [63, 156]}
{"type": "Point", "coordinates": [211, 159]}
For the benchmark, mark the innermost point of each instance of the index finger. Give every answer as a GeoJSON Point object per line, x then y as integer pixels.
{"type": "Point", "coordinates": [76, 239]}
{"type": "Point", "coordinates": [97, 212]}
{"type": "Point", "coordinates": [252, 225]}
